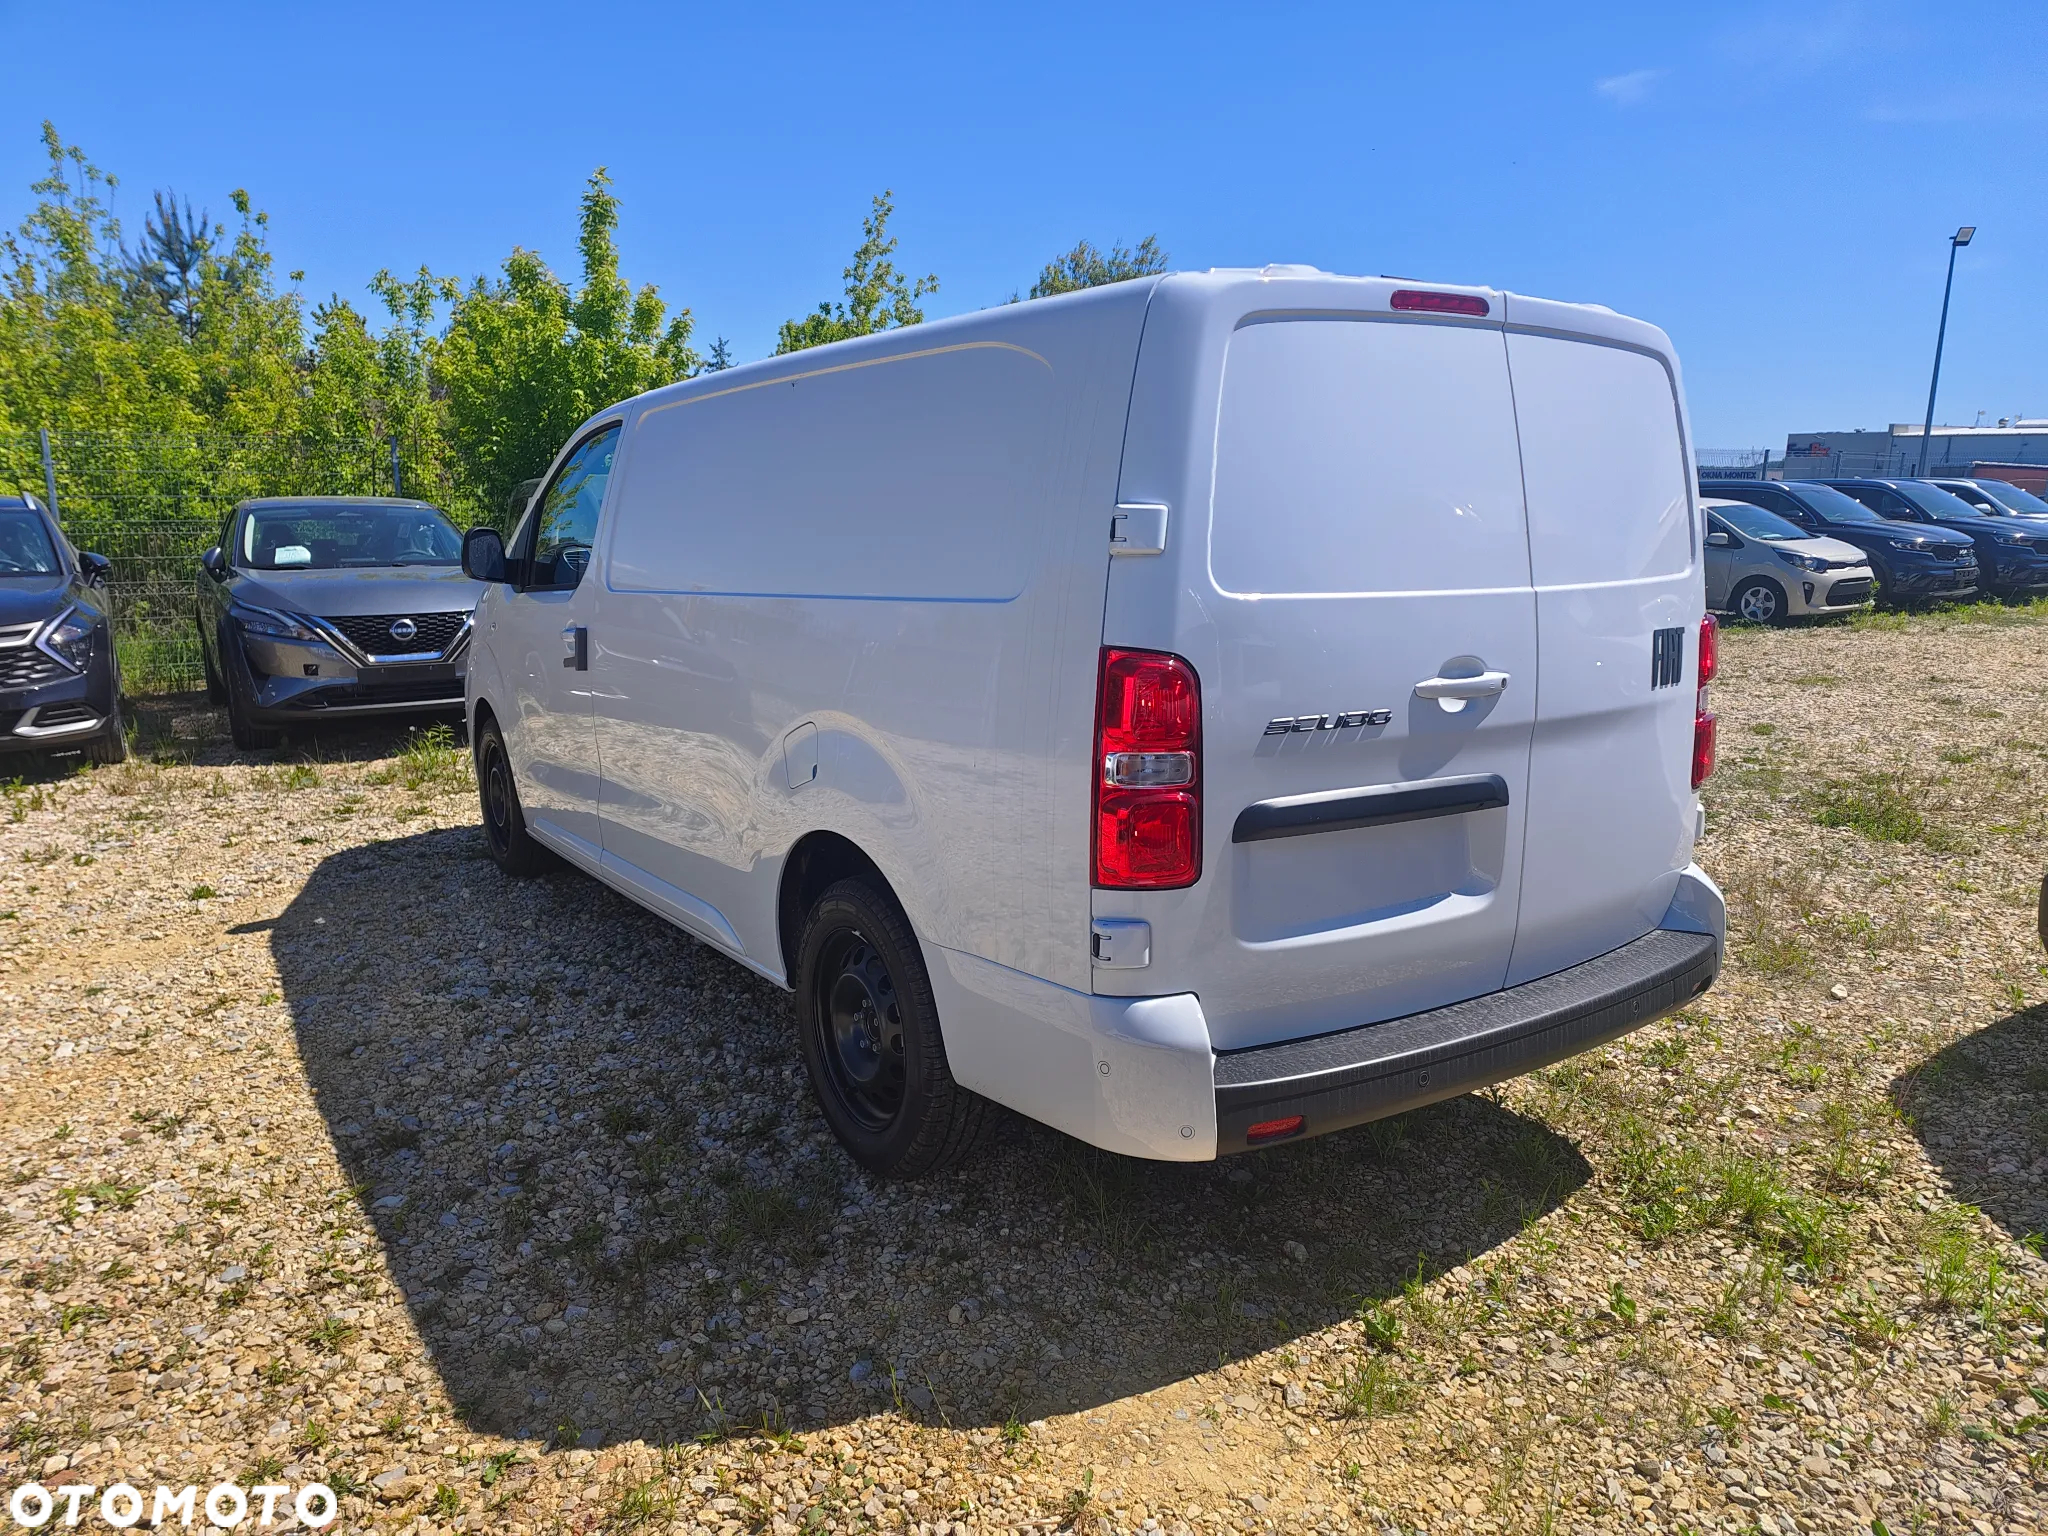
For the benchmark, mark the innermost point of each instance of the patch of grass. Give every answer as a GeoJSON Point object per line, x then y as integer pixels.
{"type": "Point", "coordinates": [332, 1334]}
{"type": "Point", "coordinates": [1381, 1325]}
{"type": "Point", "coordinates": [1882, 806]}
{"type": "Point", "coordinates": [1373, 1388]}
{"type": "Point", "coordinates": [446, 1502]}
{"type": "Point", "coordinates": [430, 759]}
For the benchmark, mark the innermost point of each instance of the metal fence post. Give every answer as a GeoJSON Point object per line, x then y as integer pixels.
{"type": "Point", "coordinates": [49, 474]}
{"type": "Point", "coordinates": [396, 484]}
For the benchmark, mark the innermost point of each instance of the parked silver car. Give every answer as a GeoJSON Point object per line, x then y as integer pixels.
{"type": "Point", "coordinates": [313, 607]}
{"type": "Point", "coordinates": [1769, 571]}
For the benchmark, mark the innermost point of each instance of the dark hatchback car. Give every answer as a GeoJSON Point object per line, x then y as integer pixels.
{"type": "Point", "coordinates": [60, 682]}
{"type": "Point", "coordinates": [1914, 563]}
{"type": "Point", "coordinates": [317, 607]}
{"type": "Point", "coordinates": [2012, 553]}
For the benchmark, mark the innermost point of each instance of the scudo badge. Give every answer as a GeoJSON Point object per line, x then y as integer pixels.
{"type": "Point", "coordinates": [1349, 720]}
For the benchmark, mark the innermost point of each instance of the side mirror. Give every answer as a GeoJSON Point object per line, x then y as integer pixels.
{"type": "Point", "coordinates": [483, 555]}
{"type": "Point", "coordinates": [96, 568]}
{"type": "Point", "coordinates": [1716, 539]}
{"type": "Point", "coordinates": [214, 563]}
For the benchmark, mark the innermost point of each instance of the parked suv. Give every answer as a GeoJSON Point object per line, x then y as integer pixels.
{"type": "Point", "coordinates": [1769, 571]}
{"type": "Point", "coordinates": [1996, 498]}
{"type": "Point", "coordinates": [319, 606]}
{"type": "Point", "coordinates": [1921, 563]}
{"type": "Point", "coordinates": [1198, 712]}
{"type": "Point", "coordinates": [2012, 553]}
{"type": "Point", "coordinates": [60, 681]}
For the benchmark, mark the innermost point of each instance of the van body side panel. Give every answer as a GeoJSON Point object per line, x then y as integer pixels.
{"type": "Point", "coordinates": [1614, 540]}
{"type": "Point", "coordinates": [876, 551]}
{"type": "Point", "coordinates": [1346, 523]}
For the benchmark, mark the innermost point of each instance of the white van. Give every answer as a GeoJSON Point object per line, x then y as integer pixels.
{"type": "Point", "coordinates": [1196, 713]}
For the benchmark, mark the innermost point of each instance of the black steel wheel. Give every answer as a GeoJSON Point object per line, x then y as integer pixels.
{"type": "Point", "coordinates": [511, 846]}
{"type": "Point", "coordinates": [871, 1042]}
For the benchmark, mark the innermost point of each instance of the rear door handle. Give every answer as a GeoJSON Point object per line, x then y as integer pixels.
{"type": "Point", "coordinates": [1483, 686]}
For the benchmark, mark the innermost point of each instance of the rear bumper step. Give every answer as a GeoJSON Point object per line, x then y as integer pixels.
{"type": "Point", "coordinates": [1376, 1070]}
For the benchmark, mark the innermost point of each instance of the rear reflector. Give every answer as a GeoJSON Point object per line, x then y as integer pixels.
{"type": "Point", "coordinates": [1148, 779]}
{"type": "Point", "coordinates": [1277, 1130]}
{"type": "Point", "coordinates": [1440, 303]}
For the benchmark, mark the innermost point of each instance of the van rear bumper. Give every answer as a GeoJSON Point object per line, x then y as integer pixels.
{"type": "Point", "coordinates": [1344, 1079]}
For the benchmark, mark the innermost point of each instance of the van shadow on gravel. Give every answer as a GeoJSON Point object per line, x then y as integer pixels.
{"type": "Point", "coordinates": [1980, 1108]}
{"type": "Point", "coordinates": [614, 1211]}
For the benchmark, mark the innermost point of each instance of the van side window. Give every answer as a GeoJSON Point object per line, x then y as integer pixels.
{"type": "Point", "coordinates": [563, 522]}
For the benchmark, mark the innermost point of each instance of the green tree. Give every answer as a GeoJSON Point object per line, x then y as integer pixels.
{"type": "Point", "coordinates": [526, 359]}
{"type": "Point", "coordinates": [878, 297]}
{"type": "Point", "coordinates": [1086, 267]}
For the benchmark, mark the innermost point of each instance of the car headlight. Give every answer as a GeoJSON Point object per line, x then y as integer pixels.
{"type": "Point", "coordinates": [68, 637]}
{"type": "Point", "coordinates": [1910, 544]}
{"type": "Point", "coordinates": [272, 624]}
{"type": "Point", "coordinates": [2019, 539]}
{"type": "Point", "coordinates": [1804, 562]}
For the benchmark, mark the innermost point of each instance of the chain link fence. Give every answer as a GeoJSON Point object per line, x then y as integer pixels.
{"type": "Point", "coordinates": [153, 504]}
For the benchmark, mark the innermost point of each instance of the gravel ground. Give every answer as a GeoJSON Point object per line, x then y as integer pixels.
{"type": "Point", "coordinates": [501, 1206]}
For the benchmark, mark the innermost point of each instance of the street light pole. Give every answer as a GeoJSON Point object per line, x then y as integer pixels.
{"type": "Point", "coordinates": [1956, 242]}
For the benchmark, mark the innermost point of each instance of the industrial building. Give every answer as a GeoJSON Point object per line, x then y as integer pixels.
{"type": "Point", "coordinates": [1896, 450]}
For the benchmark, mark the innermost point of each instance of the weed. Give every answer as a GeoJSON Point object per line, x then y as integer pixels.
{"type": "Point", "coordinates": [201, 893]}
{"type": "Point", "coordinates": [332, 1334]}
{"type": "Point", "coordinates": [645, 1502]}
{"type": "Point", "coordinates": [266, 1469]}
{"type": "Point", "coordinates": [1380, 1325]}
{"type": "Point", "coordinates": [495, 1467]}
{"type": "Point", "coordinates": [1372, 1388]}
{"type": "Point", "coordinates": [430, 759]}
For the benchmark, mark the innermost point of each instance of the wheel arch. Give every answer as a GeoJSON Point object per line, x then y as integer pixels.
{"type": "Point", "coordinates": [816, 862]}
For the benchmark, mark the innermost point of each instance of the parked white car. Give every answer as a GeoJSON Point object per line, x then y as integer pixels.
{"type": "Point", "coordinates": [1125, 706]}
{"type": "Point", "coordinates": [1769, 571]}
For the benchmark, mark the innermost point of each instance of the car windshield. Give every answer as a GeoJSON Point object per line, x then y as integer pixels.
{"type": "Point", "coordinates": [1942, 506]}
{"type": "Point", "coordinates": [1758, 523]}
{"type": "Point", "coordinates": [1834, 505]}
{"type": "Point", "coordinates": [25, 547]}
{"type": "Point", "coordinates": [2013, 498]}
{"type": "Point", "coordinates": [330, 538]}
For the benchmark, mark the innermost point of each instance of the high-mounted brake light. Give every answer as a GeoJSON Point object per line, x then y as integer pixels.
{"type": "Point", "coordinates": [1704, 726]}
{"type": "Point", "coordinates": [1440, 303]}
{"type": "Point", "coordinates": [1148, 772]}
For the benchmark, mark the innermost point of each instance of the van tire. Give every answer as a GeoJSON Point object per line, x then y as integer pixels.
{"type": "Point", "coordinates": [512, 847]}
{"type": "Point", "coordinates": [869, 1029]}
{"type": "Point", "coordinates": [1760, 601]}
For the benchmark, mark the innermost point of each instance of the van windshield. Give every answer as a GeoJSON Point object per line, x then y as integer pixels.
{"type": "Point", "coordinates": [315, 537]}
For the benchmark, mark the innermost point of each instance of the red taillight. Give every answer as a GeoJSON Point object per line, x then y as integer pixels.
{"type": "Point", "coordinates": [1703, 726]}
{"type": "Point", "coordinates": [1703, 722]}
{"type": "Point", "coordinates": [1276, 1130]}
{"type": "Point", "coordinates": [1148, 772]}
{"type": "Point", "coordinates": [1439, 303]}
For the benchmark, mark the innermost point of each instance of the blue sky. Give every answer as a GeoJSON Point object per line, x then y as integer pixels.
{"type": "Point", "coordinates": [1773, 184]}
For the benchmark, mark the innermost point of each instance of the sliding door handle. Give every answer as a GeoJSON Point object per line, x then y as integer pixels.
{"type": "Point", "coordinates": [576, 648]}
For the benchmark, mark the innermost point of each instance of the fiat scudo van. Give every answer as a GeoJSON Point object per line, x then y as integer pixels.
{"type": "Point", "coordinates": [1197, 713]}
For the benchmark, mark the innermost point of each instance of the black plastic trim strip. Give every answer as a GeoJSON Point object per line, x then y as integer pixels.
{"type": "Point", "coordinates": [1376, 1070]}
{"type": "Point", "coordinates": [1343, 809]}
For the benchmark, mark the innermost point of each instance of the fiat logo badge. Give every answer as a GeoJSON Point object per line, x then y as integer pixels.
{"type": "Point", "coordinates": [403, 629]}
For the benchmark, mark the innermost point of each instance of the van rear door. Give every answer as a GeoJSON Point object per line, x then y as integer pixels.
{"type": "Point", "coordinates": [1612, 544]}
{"type": "Point", "coordinates": [1365, 635]}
